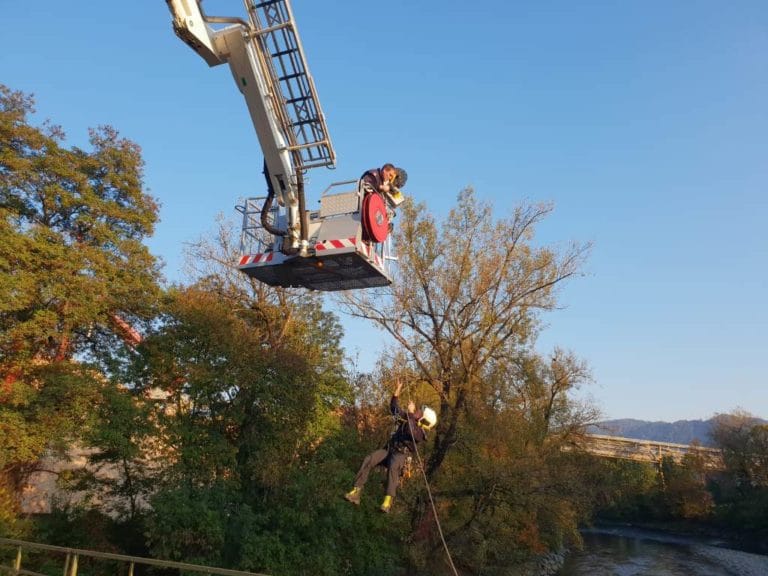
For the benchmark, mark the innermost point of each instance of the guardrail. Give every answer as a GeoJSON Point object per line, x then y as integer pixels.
{"type": "Point", "coordinates": [71, 557]}
{"type": "Point", "coordinates": [648, 450]}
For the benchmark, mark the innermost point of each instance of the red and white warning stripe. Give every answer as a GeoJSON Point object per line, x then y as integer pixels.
{"type": "Point", "coordinates": [370, 251]}
{"type": "Point", "coordinates": [335, 244]}
{"type": "Point", "coordinates": [256, 258]}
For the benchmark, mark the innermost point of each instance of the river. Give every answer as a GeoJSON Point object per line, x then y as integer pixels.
{"type": "Point", "coordinates": [633, 552]}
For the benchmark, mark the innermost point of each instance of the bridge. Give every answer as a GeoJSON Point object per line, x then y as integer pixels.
{"type": "Point", "coordinates": [647, 450]}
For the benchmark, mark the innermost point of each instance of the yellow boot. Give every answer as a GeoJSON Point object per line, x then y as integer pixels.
{"type": "Point", "coordinates": [387, 504]}
{"type": "Point", "coordinates": [353, 495]}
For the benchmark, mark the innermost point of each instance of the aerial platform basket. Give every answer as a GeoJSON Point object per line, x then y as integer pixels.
{"type": "Point", "coordinates": [349, 244]}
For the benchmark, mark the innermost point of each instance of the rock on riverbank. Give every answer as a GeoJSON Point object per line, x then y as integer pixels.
{"type": "Point", "coordinates": [546, 565]}
{"type": "Point", "coordinates": [737, 562]}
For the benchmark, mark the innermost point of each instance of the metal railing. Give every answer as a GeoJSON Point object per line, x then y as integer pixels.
{"type": "Point", "coordinates": [72, 556]}
{"type": "Point", "coordinates": [648, 450]}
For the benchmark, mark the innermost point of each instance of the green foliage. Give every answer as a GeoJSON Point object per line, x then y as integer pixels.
{"type": "Point", "coordinates": [685, 493]}
{"type": "Point", "coordinates": [82, 527]}
{"type": "Point", "coordinates": [733, 501]}
{"type": "Point", "coordinates": [506, 493]}
{"type": "Point", "coordinates": [320, 533]}
{"type": "Point", "coordinates": [72, 224]}
{"type": "Point", "coordinates": [71, 261]}
{"type": "Point", "coordinates": [232, 403]}
{"type": "Point", "coordinates": [244, 400]}
{"type": "Point", "coordinates": [190, 524]}
{"type": "Point", "coordinates": [626, 490]}
{"type": "Point", "coordinates": [746, 517]}
{"type": "Point", "coordinates": [640, 491]}
{"type": "Point", "coordinates": [744, 442]}
{"type": "Point", "coordinates": [49, 408]}
{"type": "Point", "coordinates": [742, 491]}
{"type": "Point", "coordinates": [121, 474]}
{"type": "Point", "coordinates": [76, 527]}
{"type": "Point", "coordinates": [11, 526]}
{"type": "Point", "coordinates": [303, 528]}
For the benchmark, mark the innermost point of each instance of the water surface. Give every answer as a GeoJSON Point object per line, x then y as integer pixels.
{"type": "Point", "coordinates": [633, 553]}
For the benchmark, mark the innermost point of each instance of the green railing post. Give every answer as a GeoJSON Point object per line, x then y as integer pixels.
{"type": "Point", "coordinates": [17, 563]}
{"type": "Point", "coordinates": [130, 569]}
{"type": "Point", "coordinates": [73, 568]}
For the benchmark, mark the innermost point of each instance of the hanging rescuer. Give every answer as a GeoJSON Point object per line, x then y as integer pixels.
{"type": "Point", "coordinates": [412, 427]}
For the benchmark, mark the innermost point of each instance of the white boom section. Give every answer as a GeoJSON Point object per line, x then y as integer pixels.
{"type": "Point", "coordinates": [268, 65]}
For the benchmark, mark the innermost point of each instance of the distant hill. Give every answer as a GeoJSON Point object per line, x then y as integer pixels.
{"type": "Point", "coordinates": [680, 432]}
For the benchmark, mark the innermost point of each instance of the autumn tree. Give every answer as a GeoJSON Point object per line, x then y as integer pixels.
{"type": "Point", "coordinates": [289, 322]}
{"type": "Point", "coordinates": [465, 307]}
{"type": "Point", "coordinates": [246, 383]}
{"type": "Point", "coordinates": [247, 434]}
{"type": "Point", "coordinates": [75, 276]}
{"type": "Point", "coordinates": [625, 489]}
{"type": "Point", "coordinates": [741, 492]}
{"type": "Point", "coordinates": [230, 405]}
{"type": "Point", "coordinates": [466, 299]}
{"type": "Point", "coordinates": [744, 442]}
{"type": "Point", "coordinates": [684, 492]}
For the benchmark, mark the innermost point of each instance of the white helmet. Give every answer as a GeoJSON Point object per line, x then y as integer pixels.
{"type": "Point", "coordinates": [428, 418]}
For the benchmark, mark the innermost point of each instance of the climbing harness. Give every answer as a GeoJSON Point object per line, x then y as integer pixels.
{"type": "Point", "coordinates": [407, 470]}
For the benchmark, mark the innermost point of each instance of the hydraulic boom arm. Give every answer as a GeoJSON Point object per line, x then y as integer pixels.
{"type": "Point", "coordinates": [270, 70]}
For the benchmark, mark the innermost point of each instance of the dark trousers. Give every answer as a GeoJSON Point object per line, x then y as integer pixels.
{"type": "Point", "coordinates": [394, 461]}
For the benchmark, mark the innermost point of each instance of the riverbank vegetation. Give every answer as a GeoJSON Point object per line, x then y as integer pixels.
{"type": "Point", "coordinates": [688, 497]}
{"type": "Point", "coordinates": [221, 423]}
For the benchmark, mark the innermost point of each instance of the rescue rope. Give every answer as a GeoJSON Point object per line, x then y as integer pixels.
{"type": "Point", "coordinates": [429, 492]}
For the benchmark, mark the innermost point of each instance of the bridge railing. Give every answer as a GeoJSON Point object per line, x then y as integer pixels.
{"type": "Point", "coordinates": [647, 450]}
{"type": "Point", "coordinates": [70, 558]}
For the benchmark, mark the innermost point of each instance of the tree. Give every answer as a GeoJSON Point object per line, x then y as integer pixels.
{"type": "Point", "coordinates": [122, 471]}
{"type": "Point", "coordinates": [465, 299]}
{"type": "Point", "coordinates": [742, 491]}
{"type": "Point", "coordinates": [744, 442]}
{"type": "Point", "coordinates": [625, 489]}
{"type": "Point", "coordinates": [247, 382]}
{"type": "Point", "coordinates": [289, 323]}
{"type": "Point", "coordinates": [74, 274]}
{"type": "Point", "coordinates": [249, 436]}
{"type": "Point", "coordinates": [685, 493]}
{"type": "Point", "coordinates": [229, 404]}
{"type": "Point", "coordinates": [465, 308]}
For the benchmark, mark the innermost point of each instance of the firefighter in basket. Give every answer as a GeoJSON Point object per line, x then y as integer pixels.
{"type": "Point", "coordinates": [387, 180]}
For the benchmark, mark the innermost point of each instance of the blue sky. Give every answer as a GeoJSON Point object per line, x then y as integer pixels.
{"type": "Point", "coordinates": [645, 123]}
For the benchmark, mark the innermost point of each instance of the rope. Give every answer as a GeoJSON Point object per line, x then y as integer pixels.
{"type": "Point", "coordinates": [429, 492]}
